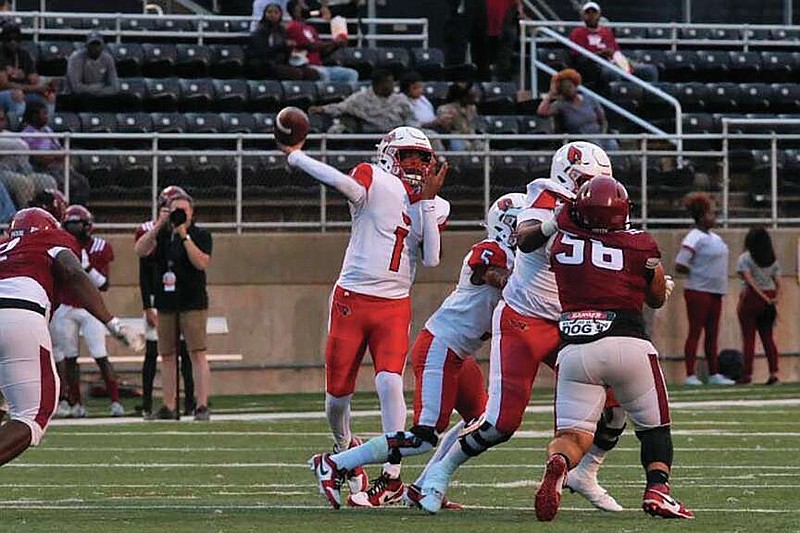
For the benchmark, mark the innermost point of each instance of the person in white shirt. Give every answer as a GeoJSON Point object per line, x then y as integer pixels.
{"type": "Point", "coordinates": [397, 217]}
{"type": "Point", "coordinates": [703, 258]}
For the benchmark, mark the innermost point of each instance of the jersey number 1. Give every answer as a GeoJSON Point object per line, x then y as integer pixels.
{"type": "Point", "coordinates": [399, 241]}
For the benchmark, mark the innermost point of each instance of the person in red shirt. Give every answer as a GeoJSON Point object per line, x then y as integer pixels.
{"type": "Point", "coordinates": [501, 24]}
{"type": "Point", "coordinates": [601, 41]}
{"type": "Point", "coordinates": [308, 49]}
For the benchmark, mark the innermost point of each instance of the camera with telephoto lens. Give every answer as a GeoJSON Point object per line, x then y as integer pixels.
{"type": "Point", "coordinates": [177, 217]}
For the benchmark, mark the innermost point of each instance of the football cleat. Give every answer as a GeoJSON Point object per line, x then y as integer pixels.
{"type": "Point", "coordinates": [548, 496]}
{"type": "Point", "coordinates": [587, 486]}
{"type": "Point", "coordinates": [384, 491]}
{"type": "Point", "coordinates": [357, 478]}
{"type": "Point", "coordinates": [658, 502]}
{"type": "Point", "coordinates": [433, 491]}
{"type": "Point", "coordinates": [329, 478]}
{"type": "Point", "coordinates": [117, 409]}
{"type": "Point", "coordinates": [63, 410]}
{"type": "Point", "coordinates": [78, 411]}
{"type": "Point", "coordinates": [719, 379]}
{"type": "Point", "coordinates": [692, 380]}
{"type": "Point", "coordinates": [413, 495]}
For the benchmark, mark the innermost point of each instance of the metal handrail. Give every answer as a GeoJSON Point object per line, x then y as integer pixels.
{"type": "Point", "coordinates": [40, 28]}
{"type": "Point", "coordinates": [603, 64]}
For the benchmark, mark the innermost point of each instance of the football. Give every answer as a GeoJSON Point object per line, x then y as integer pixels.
{"type": "Point", "coordinates": [291, 126]}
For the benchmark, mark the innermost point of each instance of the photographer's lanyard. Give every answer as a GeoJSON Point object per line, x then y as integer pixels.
{"type": "Point", "coordinates": [169, 277]}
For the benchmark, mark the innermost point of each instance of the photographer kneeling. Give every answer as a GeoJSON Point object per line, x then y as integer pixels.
{"type": "Point", "coordinates": [181, 252]}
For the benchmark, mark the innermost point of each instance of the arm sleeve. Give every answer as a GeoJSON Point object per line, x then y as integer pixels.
{"type": "Point", "coordinates": [74, 78]}
{"type": "Point", "coordinates": [688, 246]}
{"type": "Point", "coordinates": [741, 264]}
{"type": "Point", "coordinates": [347, 106]}
{"type": "Point", "coordinates": [113, 79]}
{"type": "Point", "coordinates": [354, 191]}
{"type": "Point", "coordinates": [431, 238]}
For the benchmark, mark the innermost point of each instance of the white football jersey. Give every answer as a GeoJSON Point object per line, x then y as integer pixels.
{"type": "Point", "coordinates": [464, 320]}
{"type": "Point", "coordinates": [532, 289]}
{"type": "Point", "coordinates": [386, 236]}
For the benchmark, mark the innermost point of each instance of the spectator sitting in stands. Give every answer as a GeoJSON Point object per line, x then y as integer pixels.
{"type": "Point", "coordinates": [460, 115]}
{"type": "Point", "coordinates": [376, 109]}
{"type": "Point", "coordinates": [339, 8]}
{"type": "Point", "coordinates": [258, 11]}
{"type": "Point", "coordinates": [308, 49]}
{"type": "Point", "coordinates": [601, 41]}
{"type": "Point", "coordinates": [18, 73]}
{"type": "Point", "coordinates": [16, 172]}
{"type": "Point", "coordinates": [36, 120]}
{"type": "Point", "coordinates": [267, 52]}
{"type": "Point", "coordinates": [92, 74]}
{"type": "Point", "coordinates": [413, 88]}
{"type": "Point", "coordinates": [575, 113]}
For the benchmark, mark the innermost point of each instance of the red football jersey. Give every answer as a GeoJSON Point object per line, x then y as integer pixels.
{"type": "Point", "coordinates": [597, 271]}
{"type": "Point", "coordinates": [26, 266]}
{"type": "Point", "coordinates": [100, 256]}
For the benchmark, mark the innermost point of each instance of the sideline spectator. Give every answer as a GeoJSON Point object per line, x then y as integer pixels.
{"type": "Point", "coordinates": [16, 172]}
{"type": "Point", "coordinates": [308, 49]}
{"type": "Point", "coordinates": [760, 273]}
{"type": "Point", "coordinates": [182, 253]}
{"type": "Point", "coordinates": [703, 257]}
{"type": "Point", "coordinates": [19, 73]}
{"type": "Point", "coordinates": [466, 26]}
{"type": "Point", "coordinates": [501, 33]}
{"type": "Point", "coordinates": [376, 109]}
{"type": "Point", "coordinates": [573, 112]}
{"type": "Point", "coordinates": [459, 114]}
{"type": "Point", "coordinates": [601, 41]}
{"type": "Point", "coordinates": [7, 207]}
{"type": "Point", "coordinates": [267, 52]}
{"type": "Point", "coordinates": [36, 120]}
{"type": "Point", "coordinates": [92, 74]}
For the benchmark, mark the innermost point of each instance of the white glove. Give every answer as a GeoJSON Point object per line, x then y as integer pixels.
{"type": "Point", "coordinates": [670, 286]}
{"type": "Point", "coordinates": [85, 264]}
{"type": "Point", "coordinates": [134, 341]}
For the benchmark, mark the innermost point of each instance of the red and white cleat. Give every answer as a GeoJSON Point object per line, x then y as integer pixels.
{"type": "Point", "coordinates": [357, 478]}
{"type": "Point", "coordinates": [658, 502]}
{"type": "Point", "coordinates": [414, 494]}
{"type": "Point", "coordinates": [548, 497]}
{"type": "Point", "coordinates": [384, 491]}
{"type": "Point", "coordinates": [329, 478]}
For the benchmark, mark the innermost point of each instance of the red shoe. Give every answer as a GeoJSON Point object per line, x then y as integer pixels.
{"type": "Point", "coordinates": [658, 502]}
{"type": "Point", "coordinates": [548, 497]}
{"type": "Point", "coordinates": [414, 494]}
{"type": "Point", "coordinates": [384, 491]}
{"type": "Point", "coordinates": [329, 478]}
{"type": "Point", "coordinates": [357, 478]}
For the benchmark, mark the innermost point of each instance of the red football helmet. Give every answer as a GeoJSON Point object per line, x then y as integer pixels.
{"type": "Point", "coordinates": [78, 213]}
{"type": "Point", "coordinates": [602, 205]}
{"type": "Point", "coordinates": [170, 193]}
{"type": "Point", "coordinates": [52, 201]}
{"type": "Point", "coordinates": [31, 219]}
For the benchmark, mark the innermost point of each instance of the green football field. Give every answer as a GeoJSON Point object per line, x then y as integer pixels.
{"type": "Point", "coordinates": [737, 465]}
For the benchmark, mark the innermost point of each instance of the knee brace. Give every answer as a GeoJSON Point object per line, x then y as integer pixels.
{"type": "Point", "coordinates": [479, 437]}
{"type": "Point", "coordinates": [417, 437]}
{"type": "Point", "coordinates": [609, 428]}
{"type": "Point", "coordinates": [656, 445]}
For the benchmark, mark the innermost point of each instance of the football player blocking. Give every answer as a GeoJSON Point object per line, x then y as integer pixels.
{"type": "Point", "coordinates": [525, 334]}
{"type": "Point", "coordinates": [396, 218]}
{"type": "Point", "coordinates": [605, 272]}
{"type": "Point", "coordinates": [446, 374]}
{"type": "Point", "coordinates": [39, 263]}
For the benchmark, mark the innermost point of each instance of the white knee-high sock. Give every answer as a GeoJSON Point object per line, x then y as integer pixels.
{"type": "Point", "coordinates": [338, 412]}
{"type": "Point", "coordinates": [447, 440]}
{"type": "Point", "coordinates": [376, 450]}
{"type": "Point", "coordinates": [393, 409]}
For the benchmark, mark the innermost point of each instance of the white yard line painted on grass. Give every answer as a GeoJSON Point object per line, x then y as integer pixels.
{"type": "Point", "coordinates": [319, 415]}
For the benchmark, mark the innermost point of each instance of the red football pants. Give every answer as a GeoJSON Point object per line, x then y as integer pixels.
{"type": "Point", "coordinates": [444, 382]}
{"type": "Point", "coordinates": [750, 311]}
{"type": "Point", "coordinates": [704, 310]}
{"type": "Point", "coordinates": [358, 322]}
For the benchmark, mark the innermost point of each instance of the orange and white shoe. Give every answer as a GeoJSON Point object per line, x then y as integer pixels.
{"type": "Point", "coordinates": [548, 496]}
{"type": "Point", "coordinates": [658, 502]}
{"type": "Point", "coordinates": [384, 491]}
{"type": "Point", "coordinates": [329, 478]}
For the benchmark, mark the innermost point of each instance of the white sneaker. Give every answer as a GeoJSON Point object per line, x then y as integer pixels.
{"type": "Point", "coordinates": [692, 380]}
{"type": "Point", "coordinates": [63, 410]}
{"type": "Point", "coordinates": [117, 409]}
{"type": "Point", "coordinates": [78, 411]}
{"type": "Point", "coordinates": [587, 486]}
{"type": "Point", "coordinates": [719, 379]}
{"type": "Point", "coordinates": [434, 489]}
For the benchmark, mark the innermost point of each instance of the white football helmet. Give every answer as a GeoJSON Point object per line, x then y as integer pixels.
{"type": "Point", "coordinates": [501, 220]}
{"type": "Point", "coordinates": [406, 138]}
{"type": "Point", "coordinates": [577, 162]}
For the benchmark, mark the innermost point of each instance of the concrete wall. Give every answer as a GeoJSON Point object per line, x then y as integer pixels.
{"type": "Point", "coordinates": [274, 288]}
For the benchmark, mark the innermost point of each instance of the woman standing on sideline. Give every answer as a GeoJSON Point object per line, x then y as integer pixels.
{"type": "Point", "coordinates": [759, 271]}
{"type": "Point", "coordinates": [703, 257]}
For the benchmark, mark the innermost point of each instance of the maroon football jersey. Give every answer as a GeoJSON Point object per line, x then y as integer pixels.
{"type": "Point", "coordinates": [601, 271]}
{"type": "Point", "coordinates": [26, 266]}
{"type": "Point", "coordinates": [100, 255]}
